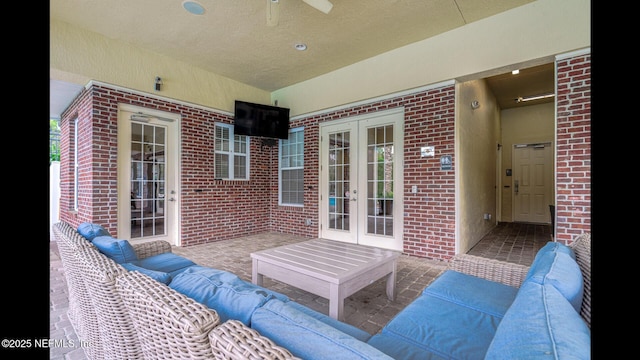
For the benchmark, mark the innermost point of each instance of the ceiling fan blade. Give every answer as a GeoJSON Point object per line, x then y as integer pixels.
{"type": "Point", "coordinates": [322, 5]}
{"type": "Point", "coordinates": [273, 12]}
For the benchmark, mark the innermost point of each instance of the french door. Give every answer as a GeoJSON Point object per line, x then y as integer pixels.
{"type": "Point", "coordinates": [147, 181]}
{"type": "Point", "coordinates": [361, 182]}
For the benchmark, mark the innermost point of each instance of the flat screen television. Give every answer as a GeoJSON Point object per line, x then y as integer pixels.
{"type": "Point", "coordinates": [260, 120]}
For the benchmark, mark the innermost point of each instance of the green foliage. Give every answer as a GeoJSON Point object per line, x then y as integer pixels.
{"type": "Point", "coordinates": [54, 141]}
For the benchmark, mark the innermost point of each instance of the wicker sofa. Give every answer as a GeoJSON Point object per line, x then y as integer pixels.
{"type": "Point", "coordinates": [133, 314]}
{"type": "Point", "coordinates": [488, 309]}
{"type": "Point", "coordinates": [127, 315]}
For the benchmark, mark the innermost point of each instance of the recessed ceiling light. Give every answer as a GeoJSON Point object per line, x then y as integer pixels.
{"type": "Point", "coordinates": [193, 7]}
{"type": "Point", "coordinates": [300, 47]}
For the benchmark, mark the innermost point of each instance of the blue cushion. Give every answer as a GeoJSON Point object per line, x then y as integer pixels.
{"type": "Point", "coordinates": [401, 349]}
{"type": "Point", "coordinates": [90, 231]}
{"type": "Point", "coordinates": [555, 264]}
{"type": "Point", "coordinates": [118, 250]}
{"type": "Point", "coordinates": [334, 323]}
{"type": "Point", "coordinates": [441, 327]}
{"type": "Point", "coordinates": [541, 323]}
{"type": "Point", "coordinates": [224, 292]}
{"type": "Point", "coordinates": [307, 337]}
{"type": "Point", "coordinates": [160, 276]}
{"type": "Point", "coordinates": [165, 262]}
{"type": "Point", "coordinates": [471, 291]}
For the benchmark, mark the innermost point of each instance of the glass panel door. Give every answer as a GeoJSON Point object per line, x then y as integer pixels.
{"type": "Point", "coordinates": [380, 161]}
{"type": "Point", "coordinates": [148, 144]}
{"type": "Point", "coordinates": [361, 201]}
{"type": "Point", "coordinates": [339, 168]}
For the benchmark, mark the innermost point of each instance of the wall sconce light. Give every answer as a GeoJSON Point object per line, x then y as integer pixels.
{"type": "Point", "coordinates": [475, 104]}
{"type": "Point", "coordinates": [158, 83]}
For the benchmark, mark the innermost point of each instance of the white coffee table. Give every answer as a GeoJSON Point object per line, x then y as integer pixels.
{"type": "Point", "coordinates": [331, 269]}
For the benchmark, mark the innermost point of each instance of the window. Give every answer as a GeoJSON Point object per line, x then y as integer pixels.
{"type": "Point", "coordinates": [291, 168]}
{"type": "Point", "coordinates": [76, 176]}
{"type": "Point", "coordinates": [231, 154]}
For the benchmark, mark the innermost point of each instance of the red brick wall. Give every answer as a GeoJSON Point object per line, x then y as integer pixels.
{"type": "Point", "coordinates": [429, 221]}
{"type": "Point", "coordinates": [227, 209]}
{"type": "Point", "coordinates": [573, 173]}
{"type": "Point", "coordinates": [224, 209]}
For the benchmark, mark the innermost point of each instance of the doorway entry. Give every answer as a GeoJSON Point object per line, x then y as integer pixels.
{"type": "Point", "coordinates": [147, 175]}
{"type": "Point", "coordinates": [361, 179]}
{"type": "Point", "coordinates": [532, 182]}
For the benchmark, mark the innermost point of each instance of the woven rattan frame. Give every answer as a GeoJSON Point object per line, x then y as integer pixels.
{"type": "Point", "coordinates": [495, 270]}
{"type": "Point", "coordinates": [234, 340]}
{"type": "Point", "coordinates": [169, 324]}
{"type": "Point", "coordinates": [582, 248]}
{"type": "Point", "coordinates": [96, 310]}
{"type": "Point", "coordinates": [82, 312]}
{"type": "Point", "coordinates": [115, 324]}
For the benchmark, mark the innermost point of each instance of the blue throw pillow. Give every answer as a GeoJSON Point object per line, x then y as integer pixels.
{"type": "Point", "coordinates": [160, 276]}
{"type": "Point", "coordinates": [118, 250]}
{"type": "Point", "coordinates": [91, 231]}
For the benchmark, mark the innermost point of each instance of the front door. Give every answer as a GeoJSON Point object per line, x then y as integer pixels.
{"type": "Point", "coordinates": [532, 182]}
{"type": "Point", "coordinates": [147, 193]}
{"type": "Point", "coordinates": [361, 180]}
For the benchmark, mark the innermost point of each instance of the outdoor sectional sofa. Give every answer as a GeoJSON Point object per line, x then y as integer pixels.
{"type": "Point", "coordinates": [142, 301]}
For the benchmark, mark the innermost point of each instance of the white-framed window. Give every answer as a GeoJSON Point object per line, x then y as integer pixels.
{"type": "Point", "coordinates": [76, 176]}
{"type": "Point", "coordinates": [231, 154]}
{"type": "Point", "coordinates": [291, 169]}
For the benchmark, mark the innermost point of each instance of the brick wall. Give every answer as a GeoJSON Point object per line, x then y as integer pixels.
{"type": "Point", "coordinates": [573, 173]}
{"type": "Point", "coordinates": [222, 210]}
{"type": "Point", "coordinates": [227, 209]}
{"type": "Point", "coordinates": [429, 220]}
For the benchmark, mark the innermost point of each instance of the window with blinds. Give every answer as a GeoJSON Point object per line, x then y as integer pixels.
{"type": "Point", "coordinates": [231, 154]}
{"type": "Point", "coordinates": [291, 169]}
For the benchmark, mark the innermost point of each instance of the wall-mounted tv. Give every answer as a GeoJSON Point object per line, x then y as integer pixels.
{"type": "Point", "coordinates": [261, 120]}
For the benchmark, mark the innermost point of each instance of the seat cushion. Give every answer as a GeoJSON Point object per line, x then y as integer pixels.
{"type": "Point", "coordinates": [473, 292]}
{"type": "Point", "coordinates": [230, 296]}
{"type": "Point", "coordinates": [159, 276]}
{"type": "Point", "coordinates": [118, 250]}
{"type": "Point", "coordinates": [91, 231]}
{"type": "Point", "coordinates": [166, 262]}
{"type": "Point", "coordinates": [541, 323]}
{"type": "Point", "coordinates": [306, 337]}
{"type": "Point", "coordinates": [455, 317]}
{"type": "Point", "coordinates": [334, 323]}
{"type": "Point", "coordinates": [444, 328]}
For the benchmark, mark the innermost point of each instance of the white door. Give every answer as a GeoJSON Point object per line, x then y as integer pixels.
{"type": "Point", "coordinates": [147, 175]}
{"type": "Point", "coordinates": [361, 180]}
{"type": "Point", "coordinates": [532, 183]}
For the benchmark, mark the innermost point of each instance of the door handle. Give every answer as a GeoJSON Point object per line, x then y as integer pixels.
{"type": "Point", "coordinates": [515, 186]}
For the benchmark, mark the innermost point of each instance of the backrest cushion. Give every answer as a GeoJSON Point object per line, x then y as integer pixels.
{"type": "Point", "coordinates": [555, 264]}
{"type": "Point", "coordinates": [118, 250]}
{"type": "Point", "coordinates": [224, 292]}
{"type": "Point", "coordinates": [160, 276]}
{"type": "Point", "coordinates": [540, 323]}
{"type": "Point", "coordinates": [90, 231]}
{"type": "Point", "coordinates": [165, 262]}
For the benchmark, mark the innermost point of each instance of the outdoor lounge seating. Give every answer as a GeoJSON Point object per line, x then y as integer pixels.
{"type": "Point", "coordinates": [210, 313]}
